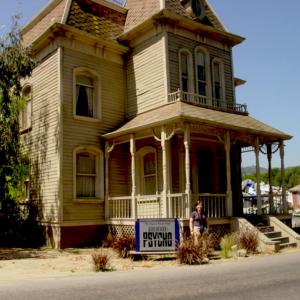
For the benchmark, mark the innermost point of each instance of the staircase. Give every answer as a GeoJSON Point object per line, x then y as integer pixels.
{"type": "Point", "coordinates": [275, 236]}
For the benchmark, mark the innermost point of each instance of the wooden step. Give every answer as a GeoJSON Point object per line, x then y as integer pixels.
{"type": "Point", "coordinates": [281, 240]}
{"type": "Point", "coordinates": [265, 229]}
{"type": "Point", "coordinates": [273, 234]}
{"type": "Point", "coordinates": [287, 245]}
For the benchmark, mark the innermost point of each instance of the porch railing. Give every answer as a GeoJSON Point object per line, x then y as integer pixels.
{"type": "Point", "coordinates": [207, 102]}
{"type": "Point", "coordinates": [215, 204]}
{"type": "Point", "coordinates": [151, 206]}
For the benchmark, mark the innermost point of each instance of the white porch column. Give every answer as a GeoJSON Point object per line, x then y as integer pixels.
{"type": "Point", "coordinates": [133, 177]}
{"type": "Point", "coordinates": [283, 186]}
{"type": "Point", "coordinates": [228, 174]}
{"type": "Point", "coordinates": [106, 202]}
{"type": "Point", "coordinates": [258, 191]}
{"type": "Point", "coordinates": [187, 134]}
{"type": "Point", "coordinates": [165, 205]}
{"type": "Point", "coordinates": [269, 154]}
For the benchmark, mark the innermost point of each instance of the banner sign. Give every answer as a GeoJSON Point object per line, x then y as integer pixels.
{"type": "Point", "coordinates": [156, 235]}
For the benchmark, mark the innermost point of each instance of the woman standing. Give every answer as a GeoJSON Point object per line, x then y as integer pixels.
{"type": "Point", "coordinates": [198, 220]}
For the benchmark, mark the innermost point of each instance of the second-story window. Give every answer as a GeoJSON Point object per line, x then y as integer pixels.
{"type": "Point", "coordinates": [25, 114]}
{"type": "Point", "coordinates": [218, 82]}
{"type": "Point", "coordinates": [86, 91]}
{"type": "Point", "coordinates": [185, 70]}
{"type": "Point", "coordinates": [201, 73]}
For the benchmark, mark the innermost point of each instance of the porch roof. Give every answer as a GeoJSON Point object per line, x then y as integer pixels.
{"type": "Point", "coordinates": [186, 112]}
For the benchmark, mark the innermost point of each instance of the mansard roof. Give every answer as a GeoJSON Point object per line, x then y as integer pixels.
{"type": "Point", "coordinates": [108, 20]}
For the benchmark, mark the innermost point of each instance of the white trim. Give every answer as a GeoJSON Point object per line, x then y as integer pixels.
{"type": "Point", "coordinates": [111, 5]}
{"type": "Point", "coordinates": [28, 120]}
{"type": "Point", "coordinates": [190, 70]}
{"type": "Point", "coordinates": [99, 184]}
{"type": "Point", "coordinates": [162, 4]}
{"type": "Point", "coordinates": [96, 96]}
{"type": "Point", "coordinates": [66, 11]}
{"type": "Point", "coordinates": [207, 70]}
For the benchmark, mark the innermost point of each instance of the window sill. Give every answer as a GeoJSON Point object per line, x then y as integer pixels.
{"type": "Point", "coordinates": [88, 201]}
{"type": "Point", "coordinates": [88, 119]}
{"type": "Point", "coordinates": [25, 130]}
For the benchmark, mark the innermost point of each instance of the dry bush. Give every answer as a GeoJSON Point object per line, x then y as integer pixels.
{"type": "Point", "coordinates": [247, 239]}
{"type": "Point", "coordinates": [195, 250]}
{"type": "Point", "coordinates": [123, 245]}
{"type": "Point", "coordinates": [101, 261]}
{"type": "Point", "coordinates": [226, 244]}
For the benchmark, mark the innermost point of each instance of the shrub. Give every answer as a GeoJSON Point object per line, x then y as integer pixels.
{"type": "Point", "coordinates": [101, 261]}
{"type": "Point", "coordinates": [123, 245]}
{"type": "Point", "coordinates": [226, 244]}
{"type": "Point", "coordinates": [247, 239]}
{"type": "Point", "coordinates": [194, 250]}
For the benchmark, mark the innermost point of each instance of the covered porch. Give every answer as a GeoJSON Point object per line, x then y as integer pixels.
{"type": "Point", "coordinates": [161, 162]}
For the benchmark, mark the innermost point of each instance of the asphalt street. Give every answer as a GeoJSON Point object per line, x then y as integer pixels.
{"type": "Point", "coordinates": [267, 277]}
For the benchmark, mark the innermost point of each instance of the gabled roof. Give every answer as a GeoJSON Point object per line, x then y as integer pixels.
{"type": "Point", "coordinates": [187, 112]}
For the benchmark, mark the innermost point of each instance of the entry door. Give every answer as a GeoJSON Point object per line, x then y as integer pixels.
{"type": "Point", "coordinates": [205, 171]}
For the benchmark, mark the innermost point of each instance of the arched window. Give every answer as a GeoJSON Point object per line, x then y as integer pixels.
{"type": "Point", "coordinates": [185, 71]}
{"type": "Point", "coordinates": [218, 81]}
{"type": "Point", "coordinates": [26, 112]}
{"type": "Point", "coordinates": [148, 170]}
{"type": "Point", "coordinates": [87, 93]}
{"type": "Point", "coordinates": [88, 181]}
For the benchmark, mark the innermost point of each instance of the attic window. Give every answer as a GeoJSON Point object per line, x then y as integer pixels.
{"type": "Point", "coordinates": [196, 7]}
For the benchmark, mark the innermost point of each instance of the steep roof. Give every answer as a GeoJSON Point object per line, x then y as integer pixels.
{"type": "Point", "coordinates": [180, 110]}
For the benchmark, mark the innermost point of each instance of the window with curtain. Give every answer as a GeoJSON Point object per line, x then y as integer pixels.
{"type": "Point", "coordinates": [201, 73]}
{"type": "Point", "coordinates": [149, 173]}
{"type": "Point", "coordinates": [85, 96]}
{"type": "Point", "coordinates": [86, 175]}
{"type": "Point", "coordinates": [26, 112]}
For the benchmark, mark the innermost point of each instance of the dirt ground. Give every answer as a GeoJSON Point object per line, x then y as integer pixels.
{"type": "Point", "coordinates": [44, 263]}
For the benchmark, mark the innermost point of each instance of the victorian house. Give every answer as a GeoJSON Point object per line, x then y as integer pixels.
{"type": "Point", "coordinates": [132, 114]}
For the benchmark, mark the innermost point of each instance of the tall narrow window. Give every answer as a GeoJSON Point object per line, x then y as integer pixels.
{"type": "Point", "coordinates": [86, 175]}
{"type": "Point", "coordinates": [25, 114]}
{"type": "Point", "coordinates": [149, 174]}
{"type": "Point", "coordinates": [86, 93]}
{"type": "Point", "coordinates": [184, 72]}
{"type": "Point", "coordinates": [201, 73]}
{"type": "Point", "coordinates": [218, 82]}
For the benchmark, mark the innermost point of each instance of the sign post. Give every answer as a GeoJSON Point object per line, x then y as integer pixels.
{"type": "Point", "coordinates": [156, 235]}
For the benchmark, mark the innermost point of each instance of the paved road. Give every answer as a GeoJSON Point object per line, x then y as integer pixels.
{"type": "Point", "coordinates": [270, 277]}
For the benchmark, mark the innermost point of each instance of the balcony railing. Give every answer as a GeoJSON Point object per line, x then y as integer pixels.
{"type": "Point", "coordinates": [205, 101]}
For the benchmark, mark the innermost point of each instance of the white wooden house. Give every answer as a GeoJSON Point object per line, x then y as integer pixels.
{"type": "Point", "coordinates": [133, 115]}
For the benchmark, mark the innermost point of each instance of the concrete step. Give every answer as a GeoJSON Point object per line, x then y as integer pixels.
{"type": "Point", "coordinates": [281, 240]}
{"type": "Point", "coordinates": [287, 245]}
{"type": "Point", "coordinates": [273, 234]}
{"type": "Point", "coordinates": [265, 229]}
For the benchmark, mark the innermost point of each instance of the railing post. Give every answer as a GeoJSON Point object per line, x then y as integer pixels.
{"type": "Point", "coordinates": [133, 177]}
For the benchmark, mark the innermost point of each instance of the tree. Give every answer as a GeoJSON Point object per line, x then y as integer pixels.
{"type": "Point", "coordinates": [15, 64]}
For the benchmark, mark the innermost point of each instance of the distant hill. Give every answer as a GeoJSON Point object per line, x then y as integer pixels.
{"type": "Point", "coordinates": [252, 170]}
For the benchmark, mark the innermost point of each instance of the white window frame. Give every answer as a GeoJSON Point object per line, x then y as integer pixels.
{"type": "Point", "coordinates": [222, 79]}
{"type": "Point", "coordinates": [96, 93]}
{"type": "Point", "coordinates": [190, 70]}
{"type": "Point", "coordinates": [99, 182]}
{"type": "Point", "coordinates": [25, 117]}
{"type": "Point", "coordinates": [207, 71]}
{"type": "Point", "coordinates": [141, 153]}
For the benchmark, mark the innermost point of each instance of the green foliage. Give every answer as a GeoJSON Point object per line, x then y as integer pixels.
{"type": "Point", "coordinates": [292, 177]}
{"type": "Point", "coordinates": [195, 250]}
{"type": "Point", "coordinates": [226, 245]}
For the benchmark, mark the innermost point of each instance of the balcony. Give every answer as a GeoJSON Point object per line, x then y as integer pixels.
{"type": "Point", "coordinates": [207, 102]}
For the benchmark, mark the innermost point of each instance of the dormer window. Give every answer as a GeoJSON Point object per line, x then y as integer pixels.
{"type": "Point", "coordinates": [185, 61]}
{"type": "Point", "coordinates": [87, 94]}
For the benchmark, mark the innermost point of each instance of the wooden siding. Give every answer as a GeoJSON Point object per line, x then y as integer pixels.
{"type": "Point", "coordinates": [145, 76]}
{"type": "Point", "coordinates": [87, 133]}
{"type": "Point", "coordinates": [43, 139]}
{"type": "Point", "coordinates": [176, 42]}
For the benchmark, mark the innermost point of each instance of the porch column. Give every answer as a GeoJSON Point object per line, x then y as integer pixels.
{"type": "Point", "coordinates": [106, 200]}
{"type": "Point", "coordinates": [133, 177]}
{"type": "Point", "coordinates": [283, 186]}
{"type": "Point", "coordinates": [228, 175]}
{"type": "Point", "coordinates": [269, 154]}
{"type": "Point", "coordinates": [165, 206]}
{"type": "Point", "coordinates": [258, 191]}
{"type": "Point", "coordinates": [187, 168]}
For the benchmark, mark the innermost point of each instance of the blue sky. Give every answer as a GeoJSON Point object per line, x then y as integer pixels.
{"type": "Point", "coordinates": [268, 60]}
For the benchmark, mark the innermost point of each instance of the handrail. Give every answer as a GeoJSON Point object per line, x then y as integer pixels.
{"type": "Point", "coordinates": [208, 102]}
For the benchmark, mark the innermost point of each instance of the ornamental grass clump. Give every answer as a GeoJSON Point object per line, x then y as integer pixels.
{"type": "Point", "coordinates": [123, 245]}
{"type": "Point", "coordinates": [226, 245]}
{"type": "Point", "coordinates": [101, 261]}
{"type": "Point", "coordinates": [195, 250]}
{"type": "Point", "coordinates": [247, 239]}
